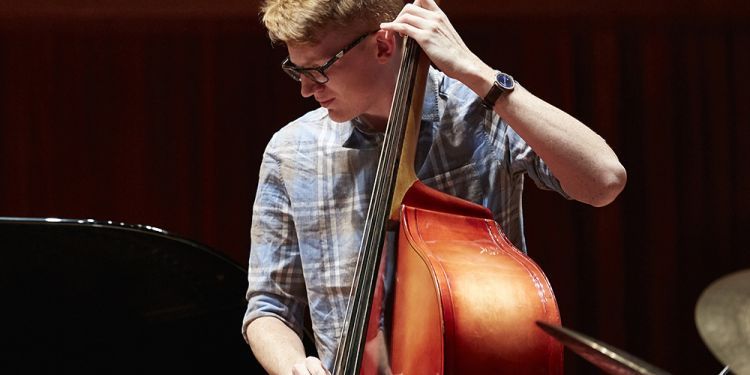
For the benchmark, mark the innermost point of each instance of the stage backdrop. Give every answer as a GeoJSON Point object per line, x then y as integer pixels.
{"type": "Point", "coordinates": [158, 114]}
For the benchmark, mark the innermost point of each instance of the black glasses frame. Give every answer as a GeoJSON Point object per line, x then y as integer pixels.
{"type": "Point", "coordinates": [296, 72]}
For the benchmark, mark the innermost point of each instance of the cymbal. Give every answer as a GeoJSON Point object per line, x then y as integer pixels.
{"type": "Point", "coordinates": [722, 316]}
{"type": "Point", "coordinates": [611, 360]}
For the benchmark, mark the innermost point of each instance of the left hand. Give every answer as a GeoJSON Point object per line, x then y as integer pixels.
{"type": "Point", "coordinates": [426, 23]}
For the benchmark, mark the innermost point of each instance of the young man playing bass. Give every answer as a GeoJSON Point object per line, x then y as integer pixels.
{"type": "Point", "coordinates": [481, 134]}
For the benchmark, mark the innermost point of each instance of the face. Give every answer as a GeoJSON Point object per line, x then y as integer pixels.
{"type": "Point", "coordinates": [360, 82]}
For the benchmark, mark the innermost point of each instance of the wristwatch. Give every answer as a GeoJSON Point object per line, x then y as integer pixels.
{"type": "Point", "coordinates": [503, 83]}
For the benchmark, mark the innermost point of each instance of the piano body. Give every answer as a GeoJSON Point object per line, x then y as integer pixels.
{"type": "Point", "coordinates": [85, 296]}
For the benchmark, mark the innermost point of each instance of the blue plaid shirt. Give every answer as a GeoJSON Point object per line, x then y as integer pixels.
{"type": "Point", "coordinates": [314, 189]}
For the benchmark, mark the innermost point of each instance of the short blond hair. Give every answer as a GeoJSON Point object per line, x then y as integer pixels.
{"type": "Point", "coordinates": [302, 21]}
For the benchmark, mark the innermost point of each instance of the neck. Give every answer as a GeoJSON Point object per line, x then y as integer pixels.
{"type": "Point", "coordinates": [373, 123]}
{"type": "Point", "coordinates": [377, 119]}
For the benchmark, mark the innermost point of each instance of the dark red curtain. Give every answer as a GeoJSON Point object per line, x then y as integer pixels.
{"type": "Point", "coordinates": [162, 120]}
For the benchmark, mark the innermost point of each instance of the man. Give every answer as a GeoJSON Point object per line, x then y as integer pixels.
{"type": "Point", "coordinates": [481, 133]}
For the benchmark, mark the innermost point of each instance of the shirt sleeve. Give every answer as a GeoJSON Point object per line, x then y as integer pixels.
{"type": "Point", "coordinates": [523, 159]}
{"type": "Point", "coordinates": [275, 282]}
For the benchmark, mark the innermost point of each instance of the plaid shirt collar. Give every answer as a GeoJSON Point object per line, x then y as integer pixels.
{"type": "Point", "coordinates": [362, 138]}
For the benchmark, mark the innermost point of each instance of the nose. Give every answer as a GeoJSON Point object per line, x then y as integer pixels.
{"type": "Point", "coordinates": [308, 87]}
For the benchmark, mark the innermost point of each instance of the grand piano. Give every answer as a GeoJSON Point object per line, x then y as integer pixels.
{"type": "Point", "coordinates": [85, 296]}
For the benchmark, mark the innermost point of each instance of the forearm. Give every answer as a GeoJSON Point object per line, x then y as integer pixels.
{"type": "Point", "coordinates": [587, 168]}
{"type": "Point", "coordinates": [276, 346]}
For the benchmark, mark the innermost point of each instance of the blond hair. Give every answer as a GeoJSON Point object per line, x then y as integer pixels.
{"type": "Point", "coordinates": [302, 21]}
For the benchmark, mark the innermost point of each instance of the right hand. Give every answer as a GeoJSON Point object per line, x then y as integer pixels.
{"type": "Point", "coordinates": [310, 366]}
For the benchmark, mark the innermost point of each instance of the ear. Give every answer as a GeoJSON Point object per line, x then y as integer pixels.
{"type": "Point", "coordinates": [387, 45]}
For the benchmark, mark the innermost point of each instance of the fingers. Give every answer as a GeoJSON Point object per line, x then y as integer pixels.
{"type": "Point", "coordinates": [310, 366]}
{"type": "Point", "coordinates": [403, 29]}
{"type": "Point", "coordinates": [418, 22]}
{"type": "Point", "coordinates": [299, 369]}
{"type": "Point", "coordinates": [315, 366]}
{"type": "Point", "coordinates": [413, 21]}
{"type": "Point", "coordinates": [424, 22]}
{"type": "Point", "coordinates": [420, 13]}
{"type": "Point", "coordinates": [427, 4]}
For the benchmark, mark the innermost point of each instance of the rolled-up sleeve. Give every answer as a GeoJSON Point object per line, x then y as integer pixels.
{"type": "Point", "coordinates": [524, 160]}
{"type": "Point", "coordinates": [276, 285]}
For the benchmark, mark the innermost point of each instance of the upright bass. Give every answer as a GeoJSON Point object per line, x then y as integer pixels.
{"type": "Point", "coordinates": [464, 300]}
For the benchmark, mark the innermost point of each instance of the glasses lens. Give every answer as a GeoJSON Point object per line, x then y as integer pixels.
{"type": "Point", "coordinates": [315, 75]}
{"type": "Point", "coordinates": [291, 72]}
{"type": "Point", "coordinates": [295, 72]}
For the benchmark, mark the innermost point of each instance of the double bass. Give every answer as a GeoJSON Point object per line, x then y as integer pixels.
{"type": "Point", "coordinates": [463, 299]}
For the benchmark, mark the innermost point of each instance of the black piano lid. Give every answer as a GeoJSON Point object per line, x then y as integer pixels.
{"type": "Point", "coordinates": [100, 296]}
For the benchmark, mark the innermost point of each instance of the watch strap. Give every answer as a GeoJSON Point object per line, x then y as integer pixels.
{"type": "Point", "coordinates": [495, 91]}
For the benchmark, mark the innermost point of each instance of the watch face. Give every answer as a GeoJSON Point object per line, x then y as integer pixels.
{"type": "Point", "coordinates": [505, 81]}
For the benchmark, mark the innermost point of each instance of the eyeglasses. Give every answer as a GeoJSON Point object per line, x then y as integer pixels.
{"type": "Point", "coordinates": [318, 73]}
